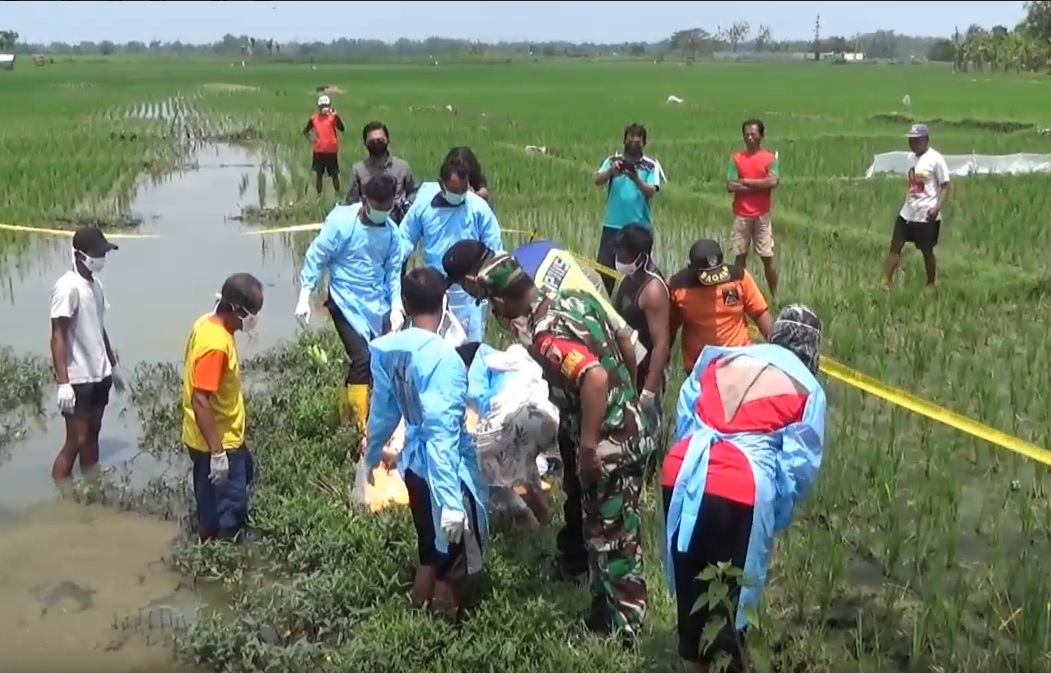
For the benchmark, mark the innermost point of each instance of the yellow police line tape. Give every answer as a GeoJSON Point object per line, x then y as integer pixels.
{"type": "Point", "coordinates": [895, 396]}
{"type": "Point", "coordinates": [829, 367]}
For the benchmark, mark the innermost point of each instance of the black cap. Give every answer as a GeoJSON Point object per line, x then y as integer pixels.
{"type": "Point", "coordinates": [705, 255]}
{"type": "Point", "coordinates": [92, 242]}
{"type": "Point", "coordinates": [706, 258]}
{"type": "Point", "coordinates": [463, 258]}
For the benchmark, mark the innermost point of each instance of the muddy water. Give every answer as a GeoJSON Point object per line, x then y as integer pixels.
{"type": "Point", "coordinates": [85, 588]}
{"type": "Point", "coordinates": [156, 288]}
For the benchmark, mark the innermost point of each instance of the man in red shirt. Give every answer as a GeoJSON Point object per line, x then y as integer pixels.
{"type": "Point", "coordinates": [325, 125]}
{"type": "Point", "coordinates": [752, 178]}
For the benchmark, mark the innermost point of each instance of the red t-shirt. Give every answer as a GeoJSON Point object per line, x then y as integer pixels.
{"type": "Point", "coordinates": [729, 472]}
{"type": "Point", "coordinates": [752, 166]}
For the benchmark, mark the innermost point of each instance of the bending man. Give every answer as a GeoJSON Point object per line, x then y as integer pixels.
{"type": "Point", "coordinates": [444, 214]}
{"type": "Point", "coordinates": [747, 449]}
{"type": "Point", "coordinates": [573, 333]}
{"type": "Point", "coordinates": [421, 378]}
{"type": "Point", "coordinates": [363, 252]}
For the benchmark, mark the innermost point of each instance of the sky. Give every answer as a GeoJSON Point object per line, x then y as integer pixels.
{"type": "Point", "coordinates": [201, 22]}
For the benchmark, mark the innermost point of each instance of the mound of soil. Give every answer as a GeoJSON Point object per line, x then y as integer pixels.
{"type": "Point", "coordinates": [329, 89]}
{"type": "Point", "coordinates": [995, 125]}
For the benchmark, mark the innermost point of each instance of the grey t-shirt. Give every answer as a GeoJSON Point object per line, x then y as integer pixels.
{"type": "Point", "coordinates": [366, 169]}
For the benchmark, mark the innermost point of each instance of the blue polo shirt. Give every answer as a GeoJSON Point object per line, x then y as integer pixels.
{"type": "Point", "coordinates": [625, 204]}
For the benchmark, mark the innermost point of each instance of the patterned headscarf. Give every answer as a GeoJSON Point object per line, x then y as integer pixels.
{"type": "Point", "coordinates": [798, 329]}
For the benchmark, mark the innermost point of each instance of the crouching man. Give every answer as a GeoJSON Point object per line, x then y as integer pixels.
{"type": "Point", "coordinates": [418, 376]}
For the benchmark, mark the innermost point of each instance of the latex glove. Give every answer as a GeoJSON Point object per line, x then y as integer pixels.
{"type": "Point", "coordinates": [648, 402]}
{"type": "Point", "coordinates": [302, 312]}
{"type": "Point", "coordinates": [453, 525]}
{"type": "Point", "coordinates": [219, 468]}
{"type": "Point", "coordinates": [119, 379]}
{"type": "Point", "coordinates": [397, 318]}
{"type": "Point", "coordinates": [66, 398]}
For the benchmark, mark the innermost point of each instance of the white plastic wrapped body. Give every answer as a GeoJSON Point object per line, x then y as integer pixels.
{"type": "Point", "coordinates": [516, 423]}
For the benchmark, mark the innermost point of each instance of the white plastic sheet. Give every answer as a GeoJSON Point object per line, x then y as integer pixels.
{"type": "Point", "coordinates": [966, 164]}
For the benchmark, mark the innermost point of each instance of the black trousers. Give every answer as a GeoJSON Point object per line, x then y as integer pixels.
{"type": "Point", "coordinates": [607, 256]}
{"type": "Point", "coordinates": [570, 539]}
{"type": "Point", "coordinates": [359, 373]}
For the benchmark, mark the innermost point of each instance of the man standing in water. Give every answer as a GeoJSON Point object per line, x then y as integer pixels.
{"type": "Point", "coordinates": [572, 331]}
{"type": "Point", "coordinates": [920, 218]}
{"type": "Point", "coordinates": [83, 358]}
{"type": "Point", "coordinates": [213, 409]}
{"type": "Point", "coordinates": [380, 161]}
{"type": "Point", "coordinates": [752, 178]}
{"type": "Point", "coordinates": [631, 180]}
{"type": "Point", "coordinates": [325, 125]}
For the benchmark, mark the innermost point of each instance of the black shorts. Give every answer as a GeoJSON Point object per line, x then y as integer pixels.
{"type": "Point", "coordinates": [326, 162]}
{"type": "Point", "coordinates": [92, 398]}
{"type": "Point", "coordinates": [721, 534]}
{"type": "Point", "coordinates": [460, 559]}
{"type": "Point", "coordinates": [924, 235]}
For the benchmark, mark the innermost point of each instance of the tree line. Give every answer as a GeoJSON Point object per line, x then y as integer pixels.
{"type": "Point", "coordinates": [1027, 47]}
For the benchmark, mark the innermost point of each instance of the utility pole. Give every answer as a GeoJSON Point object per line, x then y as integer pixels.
{"type": "Point", "coordinates": [817, 38]}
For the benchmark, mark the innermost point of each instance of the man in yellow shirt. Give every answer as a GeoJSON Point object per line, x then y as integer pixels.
{"type": "Point", "coordinates": [213, 410]}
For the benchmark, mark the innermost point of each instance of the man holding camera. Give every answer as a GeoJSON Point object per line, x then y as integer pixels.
{"type": "Point", "coordinates": [631, 179]}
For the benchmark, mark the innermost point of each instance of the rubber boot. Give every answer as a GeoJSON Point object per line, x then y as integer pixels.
{"type": "Point", "coordinates": [358, 402]}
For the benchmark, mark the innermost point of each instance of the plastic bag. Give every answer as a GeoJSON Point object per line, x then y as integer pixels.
{"type": "Point", "coordinates": [389, 488]}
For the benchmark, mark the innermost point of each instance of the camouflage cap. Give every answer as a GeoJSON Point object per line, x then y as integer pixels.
{"type": "Point", "coordinates": [501, 274]}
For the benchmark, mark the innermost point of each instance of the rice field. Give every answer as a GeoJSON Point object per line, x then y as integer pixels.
{"type": "Point", "coordinates": [921, 548]}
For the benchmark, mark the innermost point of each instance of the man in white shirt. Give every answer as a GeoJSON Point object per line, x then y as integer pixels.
{"type": "Point", "coordinates": [920, 218]}
{"type": "Point", "coordinates": [83, 358]}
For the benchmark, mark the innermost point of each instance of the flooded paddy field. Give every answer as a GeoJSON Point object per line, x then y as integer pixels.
{"type": "Point", "coordinates": [920, 550]}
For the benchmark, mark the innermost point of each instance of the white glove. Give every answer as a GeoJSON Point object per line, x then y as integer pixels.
{"type": "Point", "coordinates": [118, 379]}
{"type": "Point", "coordinates": [397, 317]}
{"type": "Point", "coordinates": [220, 468]}
{"type": "Point", "coordinates": [302, 312]}
{"type": "Point", "coordinates": [67, 399]}
{"type": "Point", "coordinates": [453, 525]}
{"type": "Point", "coordinates": [648, 401]}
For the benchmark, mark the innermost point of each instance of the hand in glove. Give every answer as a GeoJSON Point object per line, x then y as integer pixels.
{"type": "Point", "coordinates": [220, 468]}
{"type": "Point", "coordinates": [453, 525]}
{"type": "Point", "coordinates": [66, 398]}
{"type": "Point", "coordinates": [302, 311]}
{"type": "Point", "coordinates": [648, 402]}
{"type": "Point", "coordinates": [397, 318]}
{"type": "Point", "coordinates": [119, 379]}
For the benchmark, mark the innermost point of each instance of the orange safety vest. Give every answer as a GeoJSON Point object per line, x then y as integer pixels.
{"type": "Point", "coordinates": [326, 141]}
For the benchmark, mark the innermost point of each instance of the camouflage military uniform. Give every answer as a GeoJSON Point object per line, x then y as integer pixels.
{"type": "Point", "coordinates": [612, 522]}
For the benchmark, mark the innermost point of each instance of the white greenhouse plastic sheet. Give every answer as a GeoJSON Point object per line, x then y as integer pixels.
{"type": "Point", "coordinates": [966, 164]}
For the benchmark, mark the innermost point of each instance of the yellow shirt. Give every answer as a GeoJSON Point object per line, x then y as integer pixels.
{"type": "Point", "coordinates": [211, 364]}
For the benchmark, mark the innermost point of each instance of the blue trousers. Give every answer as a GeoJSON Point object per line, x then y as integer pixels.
{"type": "Point", "coordinates": [222, 509]}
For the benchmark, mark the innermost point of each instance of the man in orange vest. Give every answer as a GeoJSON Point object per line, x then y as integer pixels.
{"type": "Point", "coordinates": [326, 127]}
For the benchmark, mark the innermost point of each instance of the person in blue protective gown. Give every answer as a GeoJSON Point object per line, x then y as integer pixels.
{"type": "Point", "coordinates": [442, 215]}
{"type": "Point", "coordinates": [363, 252]}
{"type": "Point", "coordinates": [420, 377]}
{"type": "Point", "coordinates": [746, 450]}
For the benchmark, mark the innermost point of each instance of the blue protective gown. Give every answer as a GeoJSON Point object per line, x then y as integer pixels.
{"type": "Point", "coordinates": [785, 464]}
{"type": "Point", "coordinates": [419, 377]}
{"type": "Point", "coordinates": [364, 266]}
{"type": "Point", "coordinates": [439, 226]}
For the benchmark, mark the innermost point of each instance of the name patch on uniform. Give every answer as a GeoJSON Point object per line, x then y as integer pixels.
{"type": "Point", "coordinates": [555, 273]}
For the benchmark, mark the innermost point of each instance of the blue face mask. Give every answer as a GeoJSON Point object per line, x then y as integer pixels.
{"type": "Point", "coordinates": [378, 216]}
{"type": "Point", "coordinates": [454, 199]}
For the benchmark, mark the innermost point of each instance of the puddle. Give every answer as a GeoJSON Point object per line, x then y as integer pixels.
{"type": "Point", "coordinates": [86, 588]}
{"type": "Point", "coordinates": [156, 288]}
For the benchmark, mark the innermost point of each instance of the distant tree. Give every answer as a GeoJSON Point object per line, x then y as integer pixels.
{"type": "Point", "coordinates": [8, 40]}
{"type": "Point", "coordinates": [817, 38]}
{"type": "Point", "coordinates": [107, 48]}
{"type": "Point", "coordinates": [736, 34]}
{"type": "Point", "coordinates": [837, 44]}
{"type": "Point", "coordinates": [942, 51]}
{"type": "Point", "coordinates": [637, 49]}
{"type": "Point", "coordinates": [1037, 22]}
{"type": "Point", "coordinates": [762, 37]}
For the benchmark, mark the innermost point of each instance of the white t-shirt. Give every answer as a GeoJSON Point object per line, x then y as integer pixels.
{"type": "Point", "coordinates": [926, 175]}
{"type": "Point", "coordinates": [84, 303]}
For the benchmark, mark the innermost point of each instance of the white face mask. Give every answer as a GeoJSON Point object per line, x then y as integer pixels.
{"type": "Point", "coordinates": [249, 323]}
{"type": "Point", "coordinates": [625, 268]}
{"type": "Point", "coordinates": [92, 264]}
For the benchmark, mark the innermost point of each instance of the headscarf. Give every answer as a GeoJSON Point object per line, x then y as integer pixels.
{"type": "Point", "coordinates": [798, 329]}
